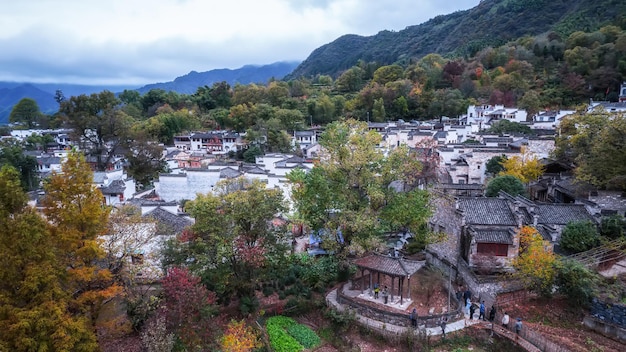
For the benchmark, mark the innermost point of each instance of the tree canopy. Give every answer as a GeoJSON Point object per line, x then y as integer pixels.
{"type": "Point", "coordinates": [355, 184]}
{"type": "Point", "coordinates": [595, 142]}
{"type": "Point", "coordinates": [507, 183]}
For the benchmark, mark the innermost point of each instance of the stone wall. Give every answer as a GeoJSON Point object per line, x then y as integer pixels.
{"type": "Point", "coordinates": [398, 319]}
{"type": "Point", "coordinates": [446, 219]}
{"type": "Point", "coordinates": [482, 288]}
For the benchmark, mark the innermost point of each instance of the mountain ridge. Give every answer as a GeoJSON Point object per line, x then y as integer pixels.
{"type": "Point", "coordinates": [462, 33]}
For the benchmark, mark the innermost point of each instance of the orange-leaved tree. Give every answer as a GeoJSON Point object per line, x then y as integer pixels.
{"type": "Point", "coordinates": [78, 217]}
{"type": "Point", "coordinates": [239, 337]}
{"type": "Point", "coordinates": [33, 304]}
{"type": "Point", "coordinates": [535, 263]}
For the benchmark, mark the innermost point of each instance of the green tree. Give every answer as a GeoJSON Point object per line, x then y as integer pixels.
{"type": "Point", "coordinates": [144, 157]}
{"type": "Point", "coordinates": [98, 123]}
{"type": "Point", "coordinates": [350, 80]}
{"type": "Point", "coordinates": [26, 112]}
{"type": "Point", "coordinates": [494, 165]}
{"type": "Point", "coordinates": [613, 226]}
{"type": "Point", "coordinates": [506, 126]}
{"type": "Point", "coordinates": [12, 154]}
{"type": "Point", "coordinates": [73, 206]}
{"type": "Point", "coordinates": [234, 238]}
{"type": "Point", "coordinates": [579, 236]}
{"type": "Point", "coordinates": [386, 74]}
{"type": "Point", "coordinates": [350, 187]}
{"type": "Point", "coordinates": [34, 309]}
{"type": "Point", "coordinates": [507, 183]}
{"type": "Point", "coordinates": [576, 282]}
{"type": "Point", "coordinates": [594, 142]}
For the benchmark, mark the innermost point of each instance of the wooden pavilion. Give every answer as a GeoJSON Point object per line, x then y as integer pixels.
{"type": "Point", "coordinates": [393, 267]}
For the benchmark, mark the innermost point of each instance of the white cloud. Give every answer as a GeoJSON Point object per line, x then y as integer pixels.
{"type": "Point", "coordinates": [144, 41]}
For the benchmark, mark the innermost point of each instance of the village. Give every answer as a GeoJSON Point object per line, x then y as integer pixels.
{"type": "Point", "coordinates": [481, 234]}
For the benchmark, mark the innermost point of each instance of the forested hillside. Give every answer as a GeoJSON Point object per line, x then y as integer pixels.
{"type": "Point", "coordinates": [463, 33]}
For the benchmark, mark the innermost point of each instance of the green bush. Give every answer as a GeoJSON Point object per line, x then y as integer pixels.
{"type": "Point", "coordinates": [613, 226]}
{"type": "Point", "coordinates": [286, 335]}
{"type": "Point", "coordinates": [579, 236]}
{"type": "Point", "coordinates": [248, 305]}
{"type": "Point", "coordinates": [576, 282]}
{"type": "Point", "coordinates": [304, 335]}
{"type": "Point", "coordinates": [510, 184]}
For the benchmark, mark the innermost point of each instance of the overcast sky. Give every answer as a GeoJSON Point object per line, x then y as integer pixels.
{"type": "Point", "coordinates": [148, 41]}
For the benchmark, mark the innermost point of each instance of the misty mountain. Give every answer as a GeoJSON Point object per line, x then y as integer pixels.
{"type": "Point", "coordinates": [43, 93]}
{"type": "Point", "coordinates": [189, 83]}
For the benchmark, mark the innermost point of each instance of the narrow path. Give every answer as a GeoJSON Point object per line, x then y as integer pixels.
{"type": "Point", "coordinates": [331, 300]}
{"type": "Point", "coordinates": [500, 331]}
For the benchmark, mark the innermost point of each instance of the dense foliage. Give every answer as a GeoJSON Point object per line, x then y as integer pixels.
{"type": "Point", "coordinates": [595, 143]}
{"type": "Point", "coordinates": [507, 183]}
{"type": "Point", "coordinates": [356, 193]}
{"type": "Point", "coordinates": [286, 335]}
{"type": "Point", "coordinates": [579, 236]}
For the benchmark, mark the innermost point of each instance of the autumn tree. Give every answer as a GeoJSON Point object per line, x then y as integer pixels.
{"type": "Point", "coordinates": [35, 312]}
{"type": "Point", "coordinates": [239, 337]}
{"type": "Point", "coordinates": [77, 217]}
{"type": "Point", "coordinates": [233, 239]}
{"type": "Point", "coordinates": [189, 308]}
{"type": "Point", "coordinates": [535, 264]}
{"type": "Point", "coordinates": [525, 166]}
{"type": "Point", "coordinates": [351, 186]}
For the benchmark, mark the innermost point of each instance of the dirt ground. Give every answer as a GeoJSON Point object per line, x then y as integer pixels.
{"type": "Point", "coordinates": [561, 324]}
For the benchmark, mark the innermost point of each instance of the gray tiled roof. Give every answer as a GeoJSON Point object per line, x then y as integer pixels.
{"type": "Point", "coordinates": [562, 214]}
{"type": "Point", "coordinates": [115, 187]}
{"type": "Point", "coordinates": [170, 224]}
{"type": "Point", "coordinates": [486, 211]}
{"type": "Point", "coordinates": [388, 265]}
{"type": "Point", "coordinates": [228, 172]}
{"type": "Point", "coordinates": [493, 236]}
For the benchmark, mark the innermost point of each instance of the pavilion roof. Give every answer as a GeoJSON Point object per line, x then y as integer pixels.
{"type": "Point", "coordinates": [389, 265]}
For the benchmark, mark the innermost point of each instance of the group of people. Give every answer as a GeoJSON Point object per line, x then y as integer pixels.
{"type": "Point", "coordinates": [385, 292]}
{"type": "Point", "coordinates": [471, 309]}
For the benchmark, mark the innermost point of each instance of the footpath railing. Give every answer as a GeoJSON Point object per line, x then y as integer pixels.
{"type": "Point", "coordinates": [529, 335]}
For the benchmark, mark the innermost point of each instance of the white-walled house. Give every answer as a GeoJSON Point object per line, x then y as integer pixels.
{"type": "Point", "coordinates": [485, 115]}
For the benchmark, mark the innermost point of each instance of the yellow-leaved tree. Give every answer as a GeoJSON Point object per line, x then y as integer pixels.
{"type": "Point", "coordinates": [240, 337]}
{"type": "Point", "coordinates": [34, 314]}
{"type": "Point", "coordinates": [77, 216]}
{"type": "Point", "coordinates": [535, 264]}
{"type": "Point", "coordinates": [525, 166]}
